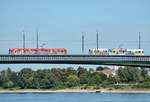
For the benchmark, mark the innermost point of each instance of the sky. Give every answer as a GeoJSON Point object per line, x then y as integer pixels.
{"type": "Point", "coordinates": [60, 24]}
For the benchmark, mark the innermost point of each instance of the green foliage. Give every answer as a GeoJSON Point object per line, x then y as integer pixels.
{"type": "Point", "coordinates": [91, 69]}
{"type": "Point", "coordinates": [46, 79]}
{"type": "Point", "coordinates": [97, 87]}
{"type": "Point", "coordinates": [128, 74]}
{"type": "Point", "coordinates": [106, 68]}
{"type": "Point", "coordinates": [105, 84]}
{"type": "Point", "coordinates": [143, 85]}
{"type": "Point", "coordinates": [57, 78]}
{"type": "Point", "coordinates": [8, 78]}
{"type": "Point", "coordinates": [85, 86]}
{"type": "Point", "coordinates": [147, 79]}
{"type": "Point", "coordinates": [111, 80]}
{"type": "Point", "coordinates": [72, 81]}
{"type": "Point", "coordinates": [117, 87]}
{"type": "Point", "coordinates": [58, 73]}
{"type": "Point", "coordinates": [144, 74]}
{"type": "Point", "coordinates": [83, 75]}
{"type": "Point", "coordinates": [96, 78]}
{"type": "Point", "coordinates": [8, 84]}
{"type": "Point", "coordinates": [25, 78]}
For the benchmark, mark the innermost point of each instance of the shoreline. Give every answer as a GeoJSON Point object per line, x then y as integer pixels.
{"type": "Point", "coordinates": [131, 91]}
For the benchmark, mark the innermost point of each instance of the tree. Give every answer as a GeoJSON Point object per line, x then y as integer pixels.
{"type": "Point", "coordinates": [58, 73]}
{"type": "Point", "coordinates": [72, 81]}
{"type": "Point", "coordinates": [111, 80]}
{"type": "Point", "coordinates": [71, 71]}
{"type": "Point", "coordinates": [25, 78]}
{"type": "Point", "coordinates": [8, 84]}
{"type": "Point", "coordinates": [7, 79]}
{"type": "Point", "coordinates": [106, 68]}
{"type": "Point", "coordinates": [128, 74]}
{"type": "Point", "coordinates": [46, 79]}
{"type": "Point", "coordinates": [91, 70]}
{"type": "Point", "coordinates": [14, 78]}
{"type": "Point", "coordinates": [96, 78]}
{"type": "Point", "coordinates": [83, 75]}
{"type": "Point", "coordinates": [144, 74]}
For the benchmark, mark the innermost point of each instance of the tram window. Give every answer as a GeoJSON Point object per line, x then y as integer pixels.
{"type": "Point", "coordinates": [21, 52]}
{"type": "Point", "coordinates": [121, 51]}
{"type": "Point", "coordinates": [50, 52]}
{"type": "Point", "coordinates": [35, 52]}
{"type": "Point", "coordinates": [90, 51]}
{"type": "Point", "coordinates": [10, 51]}
{"type": "Point", "coordinates": [110, 50]}
{"type": "Point", "coordinates": [59, 51]}
{"type": "Point", "coordinates": [98, 51]}
{"type": "Point", "coordinates": [18, 51]}
{"type": "Point", "coordinates": [129, 52]}
{"type": "Point", "coordinates": [44, 52]}
{"type": "Point", "coordinates": [26, 51]}
{"type": "Point", "coordinates": [138, 52]}
{"type": "Point", "coordinates": [53, 52]}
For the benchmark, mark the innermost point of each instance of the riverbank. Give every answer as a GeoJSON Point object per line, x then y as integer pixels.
{"type": "Point", "coordinates": [76, 91]}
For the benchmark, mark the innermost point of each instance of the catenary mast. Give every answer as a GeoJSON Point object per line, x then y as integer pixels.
{"type": "Point", "coordinates": [139, 40]}
{"type": "Point", "coordinates": [23, 39]}
{"type": "Point", "coordinates": [37, 43]}
{"type": "Point", "coordinates": [82, 42]}
{"type": "Point", "coordinates": [97, 39]}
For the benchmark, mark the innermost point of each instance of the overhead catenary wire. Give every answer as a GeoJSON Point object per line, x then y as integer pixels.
{"type": "Point", "coordinates": [78, 41]}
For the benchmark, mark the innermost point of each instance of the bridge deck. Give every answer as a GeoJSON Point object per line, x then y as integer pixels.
{"type": "Point", "coordinates": [143, 61]}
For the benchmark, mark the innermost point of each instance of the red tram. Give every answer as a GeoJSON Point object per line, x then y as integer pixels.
{"type": "Point", "coordinates": [34, 51]}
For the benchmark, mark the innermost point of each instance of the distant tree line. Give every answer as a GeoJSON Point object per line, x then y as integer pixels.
{"type": "Point", "coordinates": [60, 78]}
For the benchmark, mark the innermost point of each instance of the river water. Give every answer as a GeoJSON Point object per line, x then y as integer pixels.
{"type": "Point", "coordinates": [75, 97]}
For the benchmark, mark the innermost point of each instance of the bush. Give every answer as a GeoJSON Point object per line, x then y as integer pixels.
{"type": "Point", "coordinates": [97, 87]}
{"type": "Point", "coordinates": [85, 87]}
{"type": "Point", "coordinates": [117, 87]}
{"type": "Point", "coordinates": [105, 84]}
{"type": "Point", "coordinates": [142, 85]}
{"type": "Point", "coordinates": [8, 84]}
